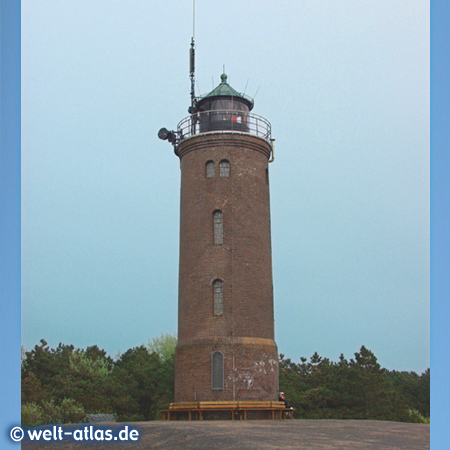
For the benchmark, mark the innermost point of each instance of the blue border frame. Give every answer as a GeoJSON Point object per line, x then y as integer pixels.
{"type": "Point", "coordinates": [10, 17]}
{"type": "Point", "coordinates": [10, 13]}
{"type": "Point", "coordinates": [440, 223]}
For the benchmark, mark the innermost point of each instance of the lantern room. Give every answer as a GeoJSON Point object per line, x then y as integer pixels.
{"type": "Point", "coordinates": [224, 109]}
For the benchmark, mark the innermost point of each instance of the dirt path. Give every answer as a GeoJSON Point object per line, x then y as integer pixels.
{"type": "Point", "coordinates": [266, 435]}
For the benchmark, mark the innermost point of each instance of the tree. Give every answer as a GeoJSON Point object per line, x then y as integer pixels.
{"type": "Point", "coordinates": [414, 389]}
{"type": "Point", "coordinates": [163, 346]}
{"type": "Point", "coordinates": [51, 376]}
{"type": "Point", "coordinates": [65, 383]}
{"type": "Point", "coordinates": [355, 389]}
{"type": "Point", "coordinates": [146, 383]}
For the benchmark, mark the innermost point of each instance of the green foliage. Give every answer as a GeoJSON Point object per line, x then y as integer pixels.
{"type": "Point", "coordinates": [31, 415]}
{"type": "Point", "coordinates": [64, 384]}
{"type": "Point", "coordinates": [355, 389]}
{"type": "Point", "coordinates": [68, 411]}
{"type": "Point", "coordinates": [146, 381]}
{"type": "Point", "coordinates": [413, 388]}
{"type": "Point", "coordinates": [163, 346]}
{"type": "Point", "coordinates": [416, 417]}
{"type": "Point", "coordinates": [83, 365]}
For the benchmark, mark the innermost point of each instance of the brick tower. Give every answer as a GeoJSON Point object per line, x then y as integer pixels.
{"type": "Point", "coordinates": [226, 353]}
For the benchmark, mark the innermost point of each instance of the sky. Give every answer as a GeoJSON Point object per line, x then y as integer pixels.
{"type": "Point", "coordinates": [345, 85]}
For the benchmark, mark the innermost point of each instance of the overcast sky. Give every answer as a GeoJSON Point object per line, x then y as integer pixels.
{"type": "Point", "coordinates": [345, 84]}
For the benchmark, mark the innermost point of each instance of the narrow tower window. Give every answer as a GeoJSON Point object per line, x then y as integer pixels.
{"type": "Point", "coordinates": [217, 371]}
{"type": "Point", "coordinates": [218, 297]}
{"type": "Point", "coordinates": [210, 172]}
{"type": "Point", "coordinates": [218, 227]}
{"type": "Point", "coordinates": [224, 168]}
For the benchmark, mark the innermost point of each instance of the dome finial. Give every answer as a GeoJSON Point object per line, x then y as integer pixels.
{"type": "Point", "coordinates": [224, 76]}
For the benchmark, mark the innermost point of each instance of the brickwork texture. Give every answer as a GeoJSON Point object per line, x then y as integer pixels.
{"type": "Point", "coordinates": [244, 331]}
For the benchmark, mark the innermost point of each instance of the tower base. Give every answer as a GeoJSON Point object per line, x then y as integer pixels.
{"type": "Point", "coordinates": [227, 411]}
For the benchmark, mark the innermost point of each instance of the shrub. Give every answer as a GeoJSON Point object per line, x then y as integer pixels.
{"type": "Point", "coordinates": [31, 415]}
{"type": "Point", "coordinates": [69, 411]}
{"type": "Point", "coordinates": [416, 417]}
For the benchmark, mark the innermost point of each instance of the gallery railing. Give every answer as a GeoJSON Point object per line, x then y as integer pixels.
{"type": "Point", "coordinates": [224, 120]}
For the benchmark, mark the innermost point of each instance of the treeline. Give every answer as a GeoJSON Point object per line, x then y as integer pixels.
{"type": "Point", "coordinates": [65, 384]}
{"type": "Point", "coordinates": [355, 389]}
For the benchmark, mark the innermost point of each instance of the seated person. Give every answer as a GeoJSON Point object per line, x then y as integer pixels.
{"type": "Point", "coordinates": [282, 398]}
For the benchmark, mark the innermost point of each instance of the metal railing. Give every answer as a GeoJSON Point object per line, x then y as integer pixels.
{"type": "Point", "coordinates": [224, 120]}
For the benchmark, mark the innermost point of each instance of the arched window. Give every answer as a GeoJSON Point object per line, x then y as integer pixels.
{"type": "Point", "coordinates": [210, 171]}
{"type": "Point", "coordinates": [218, 227]}
{"type": "Point", "coordinates": [217, 371]}
{"type": "Point", "coordinates": [218, 297]}
{"type": "Point", "coordinates": [224, 168]}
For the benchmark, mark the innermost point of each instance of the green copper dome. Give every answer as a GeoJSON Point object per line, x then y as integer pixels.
{"type": "Point", "coordinates": [225, 90]}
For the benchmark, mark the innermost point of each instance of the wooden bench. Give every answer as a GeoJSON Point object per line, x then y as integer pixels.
{"type": "Point", "coordinates": [196, 409]}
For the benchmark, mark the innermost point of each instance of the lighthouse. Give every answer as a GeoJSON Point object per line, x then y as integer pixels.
{"type": "Point", "coordinates": [226, 359]}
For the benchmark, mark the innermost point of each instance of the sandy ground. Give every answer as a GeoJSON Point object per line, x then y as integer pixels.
{"type": "Point", "coordinates": [264, 435]}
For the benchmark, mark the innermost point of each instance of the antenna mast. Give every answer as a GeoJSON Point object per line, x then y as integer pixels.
{"type": "Point", "coordinates": [192, 63]}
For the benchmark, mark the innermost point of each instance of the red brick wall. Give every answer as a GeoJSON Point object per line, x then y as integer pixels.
{"type": "Point", "coordinates": [243, 262]}
{"type": "Point", "coordinates": [250, 371]}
